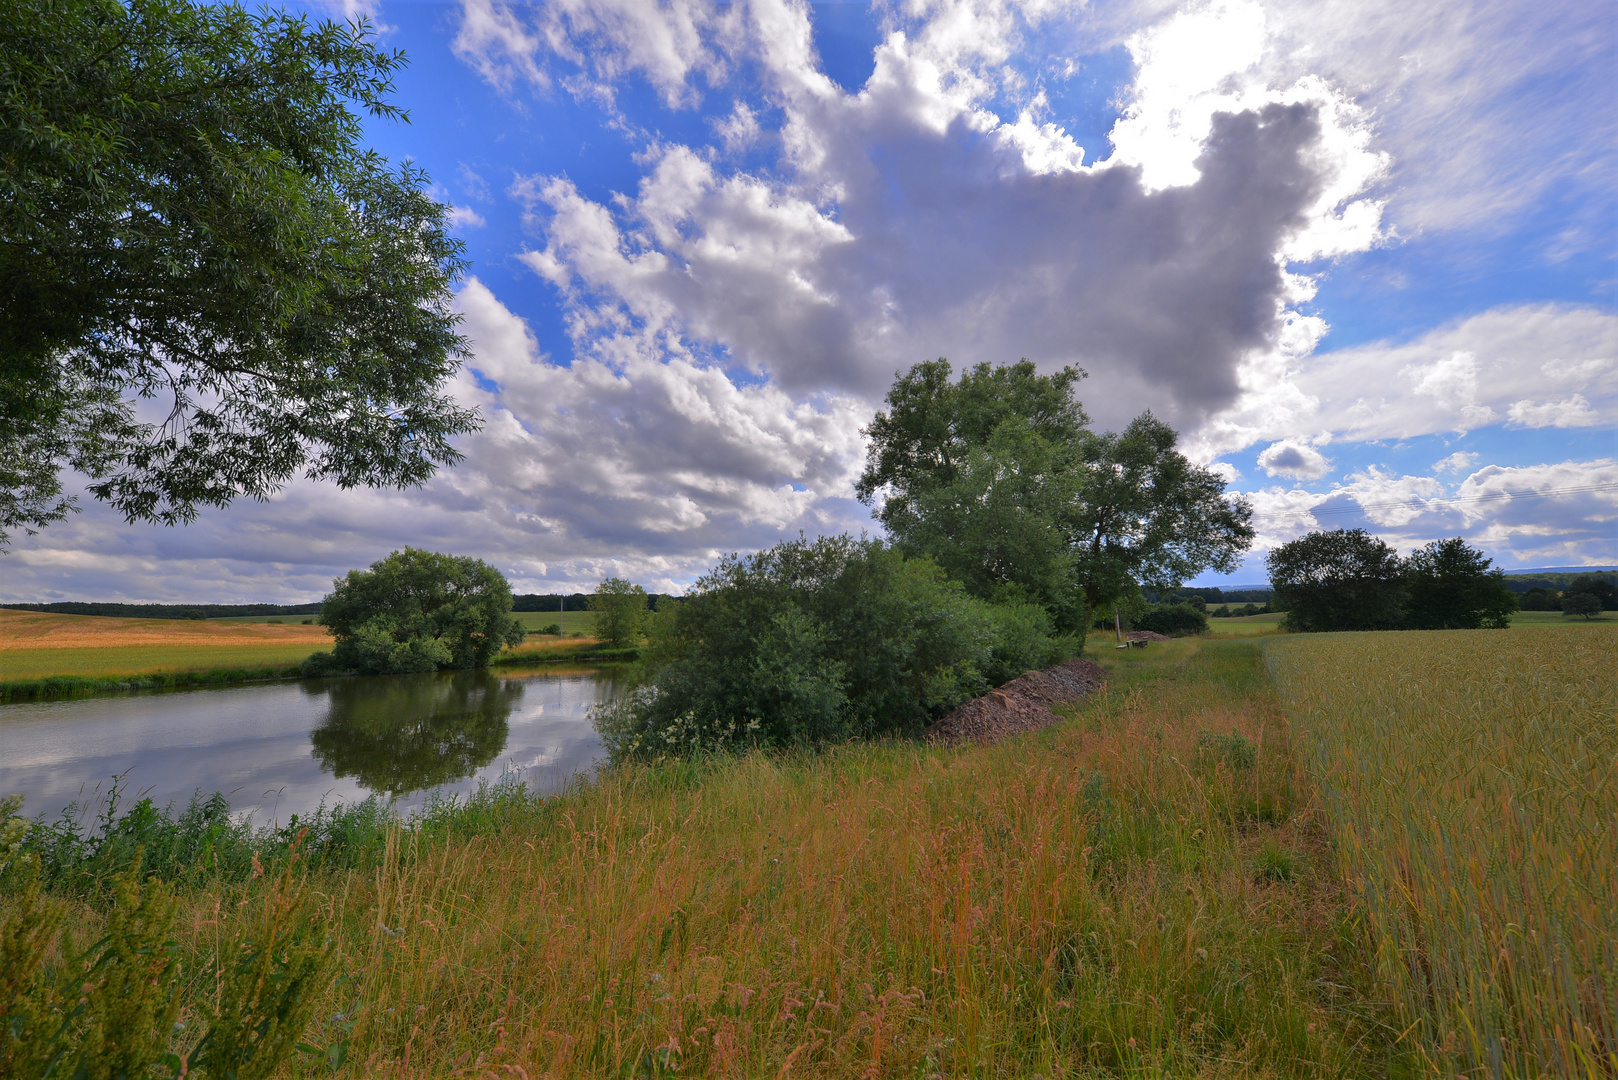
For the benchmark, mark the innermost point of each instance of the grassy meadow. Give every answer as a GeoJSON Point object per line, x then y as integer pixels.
{"type": "Point", "coordinates": [1144, 890]}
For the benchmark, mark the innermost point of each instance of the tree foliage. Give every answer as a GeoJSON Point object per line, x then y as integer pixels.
{"type": "Point", "coordinates": [1452, 588]}
{"type": "Point", "coordinates": [620, 612]}
{"type": "Point", "coordinates": [1583, 604]}
{"type": "Point", "coordinates": [417, 611]}
{"type": "Point", "coordinates": [1146, 514]}
{"type": "Point", "coordinates": [979, 475]}
{"type": "Point", "coordinates": [1342, 580]}
{"type": "Point", "coordinates": [999, 479]}
{"type": "Point", "coordinates": [187, 216]}
{"type": "Point", "coordinates": [814, 641]}
{"type": "Point", "coordinates": [1174, 620]}
{"type": "Point", "coordinates": [1598, 587]}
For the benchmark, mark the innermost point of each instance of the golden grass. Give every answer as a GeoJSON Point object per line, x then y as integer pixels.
{"type": "Point", "coordinates": [1471, 778]}
{"type": "Point", "coordinates": [38, 645]}
{"type": "Point", "coordinates": [26, 630]}
{"type": "Point", "coordinates": [1086, 901]}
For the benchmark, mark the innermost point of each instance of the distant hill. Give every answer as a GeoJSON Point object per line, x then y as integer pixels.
{"type": "Point", "coordinates": [1574, 570]}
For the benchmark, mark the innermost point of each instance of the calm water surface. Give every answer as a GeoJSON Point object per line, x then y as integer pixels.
{"type": "Point", "coordinates": [281, 748]}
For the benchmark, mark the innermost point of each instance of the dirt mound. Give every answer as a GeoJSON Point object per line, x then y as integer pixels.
{"type": "Point", "coordinates": [1023, 704]}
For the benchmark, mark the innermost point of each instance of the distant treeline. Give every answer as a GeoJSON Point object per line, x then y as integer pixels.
{"type": "Point", "coordinates": [575, 601]}
{"type": "Point", "coordinates": [169, 611]}
{"type": "Point", "coordinates": [1210, 596]}
{"type": "Point", "coordinates": [1553, 583]}
{"type": "Point", "coordinates": [1517, 583]}
{"type": "Point", "coordinates": [523, 602]}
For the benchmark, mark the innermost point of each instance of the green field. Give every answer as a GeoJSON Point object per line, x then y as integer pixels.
{"type": "Point", "coordinates": [576, 621]}
{"type": "Point", "coordinates": [1470, 779]}
{"type": "Point", "coordinates": [36, 645]}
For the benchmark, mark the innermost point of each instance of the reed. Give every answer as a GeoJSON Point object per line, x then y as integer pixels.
{"type": "Point", "coordinates": [1471, 783]}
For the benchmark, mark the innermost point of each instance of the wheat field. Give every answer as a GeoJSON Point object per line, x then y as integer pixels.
{"type": "Point", "coordinates": [36, 645]}
{"type": "Point", "coordinates": [1471, 782]}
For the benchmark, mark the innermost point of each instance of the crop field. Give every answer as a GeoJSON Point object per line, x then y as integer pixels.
{"type": "Point", "coordinates": [1470, 779]}
{"type": "Point", "coordinates": [1247, 625]}
{"type": "Point", "coordinates": [577, 621]}
{"type": "Point", "coordinates": [37, 645]}
{"type": "Point", "coordinates": [1556, 618]}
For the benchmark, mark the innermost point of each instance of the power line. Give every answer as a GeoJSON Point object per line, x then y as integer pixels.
{"type": "Point", "coordinates": [1415, 502]}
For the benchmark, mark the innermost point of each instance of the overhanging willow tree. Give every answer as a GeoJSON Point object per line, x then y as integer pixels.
{"type": "Point", "coordinates": [187, 218]}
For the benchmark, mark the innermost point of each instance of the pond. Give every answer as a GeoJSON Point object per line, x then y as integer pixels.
{"type": "Point", "coordinates": [279, 749]}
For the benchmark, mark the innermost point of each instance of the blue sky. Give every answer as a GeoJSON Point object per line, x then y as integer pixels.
{"type": "Point", "coordinates": [1360, 254]}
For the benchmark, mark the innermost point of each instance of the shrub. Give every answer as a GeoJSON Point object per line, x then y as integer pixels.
{"type": "Point", "coordinates": [551, 629]}
{"type": "Point", "coordinates": [416, 611]}
{"type": "Point", "coordinates": [813, 641]}
{"type": "Point", "coordinates": [1173, 620]}
{"type": "Point", "coordinates": [1234, 751]}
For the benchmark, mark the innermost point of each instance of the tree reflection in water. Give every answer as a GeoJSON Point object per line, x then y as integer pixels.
{"type": "Point", "coordinates": [403, 733]}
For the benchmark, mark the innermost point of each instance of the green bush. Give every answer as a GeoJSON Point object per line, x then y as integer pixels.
{"type": "Point", "coordinates": [815, 641]}
{"type": "Point", "coordinates": [1173, 620]}
{"type": "Point", "coordinates": [416, 611]}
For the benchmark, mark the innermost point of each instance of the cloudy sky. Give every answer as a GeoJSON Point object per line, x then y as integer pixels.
{"type": "Point", "coordinates": [1359, 252]}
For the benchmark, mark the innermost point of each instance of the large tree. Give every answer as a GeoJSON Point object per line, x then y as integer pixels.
{"type": "Point", "coordinates": [1452, 588]}
{"type": "Point", "coordinates": [620, 609]}
{"type": "Point", "coordinates": [188, 219]}
{"type": "Point", "coordinates": [999, 479]}
{"type": "Point", "coordinates": [1146, 514]}
{"type": "Point", "coordinates": [417, 611]}
{"type": "Point", "coordinates": [1342, 580]}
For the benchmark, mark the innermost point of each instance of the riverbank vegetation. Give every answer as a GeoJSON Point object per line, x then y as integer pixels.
{"type": "Point", "coordinates": [818, 641]}
{"type": "Point", "coordinates": [1201, 872]}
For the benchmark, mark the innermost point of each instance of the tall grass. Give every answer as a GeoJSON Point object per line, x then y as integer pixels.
{"type": "Point", "coordinates": [1136, 892]}
{"type": "Point", "coordinates": [1471, 780]}
{"type": "Point", "coordinates": [1091, 900]}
